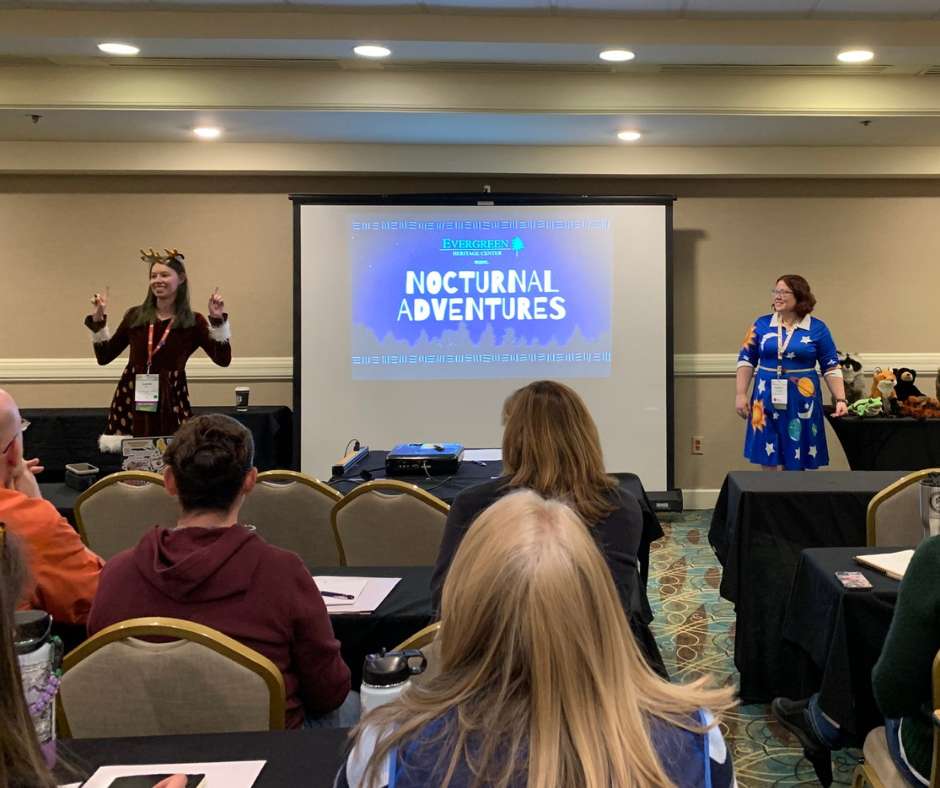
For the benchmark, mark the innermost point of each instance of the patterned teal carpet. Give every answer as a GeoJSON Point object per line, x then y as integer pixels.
{"type": "Point", "coordinates": [695, 630]}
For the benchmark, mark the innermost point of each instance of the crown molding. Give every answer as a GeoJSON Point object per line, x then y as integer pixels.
{"type": "Point", "coordinates": [86, 370]}
{"type": "Point", "coordinates": [719, 365]}
{"type": "Point", "coordinates": [280, 368]}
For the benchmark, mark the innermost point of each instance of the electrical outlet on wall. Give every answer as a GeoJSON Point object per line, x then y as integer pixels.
{"type": "Point", "coordinates": [698, 444]}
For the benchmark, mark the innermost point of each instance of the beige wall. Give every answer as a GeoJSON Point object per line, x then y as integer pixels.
{"type": "Point", "coordinates": [868, 247]}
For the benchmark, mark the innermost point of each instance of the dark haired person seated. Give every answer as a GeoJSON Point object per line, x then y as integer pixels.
{"type": "Point", "coordinates": [214, 571]}
{"type": "Point", "coordinates": [901, 681]}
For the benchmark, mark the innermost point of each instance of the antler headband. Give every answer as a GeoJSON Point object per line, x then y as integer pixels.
{"type": "Point", "coordinates": [150, 256]}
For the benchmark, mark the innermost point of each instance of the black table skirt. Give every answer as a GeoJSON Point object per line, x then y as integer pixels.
{"type": "Point", "coordinates": [405, 610]}
{"type": "Point", "coordinates": [888, 444]}
{"type": "Point", "coordinates": [761, 524]}
{"type": "Point", "coordinates": [840, 634]}
{"type": "Point", "coordinates": [59, 436]}
{"type": "Point", "coordinates": [295, 759]}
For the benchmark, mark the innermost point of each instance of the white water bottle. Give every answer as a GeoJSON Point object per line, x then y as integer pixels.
{"type": "Point", "coordinates": [386, 674]}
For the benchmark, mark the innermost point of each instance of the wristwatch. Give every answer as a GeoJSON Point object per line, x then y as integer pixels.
{"type": "Point", "coordinates": [842, 399]}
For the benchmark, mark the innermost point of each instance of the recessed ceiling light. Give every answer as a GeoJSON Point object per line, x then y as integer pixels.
{"type": "Point", "coordinates": [114, 48]}
{"type": "Point", "coordinates": [372, 50]}
{"type": "Point", "coordinates": [629, 136]}
{"type": "Point", "coordinates": [616, 55]}
{"type": "Point", "coordinates": [856, 55]}
{"type": "Point", "coordinates": [207, 132]}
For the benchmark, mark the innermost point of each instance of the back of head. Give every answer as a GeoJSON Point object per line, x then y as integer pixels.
{"type": "Point", "coordinates": [21, 760]}
{"type": "Point", "coordinates": [538, 658]}
{"type": "Point", "coordinates": [210, 456]}
{"type": "Point", "coordinates": [551, 445]}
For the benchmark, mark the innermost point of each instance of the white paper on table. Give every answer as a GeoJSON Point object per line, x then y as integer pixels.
{"type": "Point", "coordinates": [225, 774]}
{"type": "Point", "coordinates": [353, 586]}
{"type": "Point", "coordinates": [373, 595]}
{"type": "Point", "coordinates": [482, 455]}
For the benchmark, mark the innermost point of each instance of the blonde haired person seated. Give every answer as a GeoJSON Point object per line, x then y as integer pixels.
{"type": "Point", "coordinates": [541, 683]}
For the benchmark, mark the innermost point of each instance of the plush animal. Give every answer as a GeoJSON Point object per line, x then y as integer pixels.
{"type": "Point", "coordinates": [906, 387]}
{"type": "Point", "coordinates": [921, 408]}
{"type": "Point", "coordinates": [853, 378]}
{"type": "Point", "coordinates": [883, 384]}
{"type": "Point", "coordinates": [866, 407]}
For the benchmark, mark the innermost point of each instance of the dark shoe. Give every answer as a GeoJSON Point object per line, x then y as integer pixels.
{"type": "Point", "coordinates": [794, 716]}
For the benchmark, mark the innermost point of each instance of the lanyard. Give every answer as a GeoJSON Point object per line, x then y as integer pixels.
{"type": "Point", "coordinates": [782, 346]}
{"type": "Point", "coordinates": [151, 350]}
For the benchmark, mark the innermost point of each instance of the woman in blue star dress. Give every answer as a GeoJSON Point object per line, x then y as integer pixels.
{"type": "Point", "coordinates": [787, 345]}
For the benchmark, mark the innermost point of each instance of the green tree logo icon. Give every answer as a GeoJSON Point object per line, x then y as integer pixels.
{"type": "Point", "coordinates": [517, 245]}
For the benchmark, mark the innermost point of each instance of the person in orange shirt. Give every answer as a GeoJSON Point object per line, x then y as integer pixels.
{"type": "Point", "coordinates": [64, 573]}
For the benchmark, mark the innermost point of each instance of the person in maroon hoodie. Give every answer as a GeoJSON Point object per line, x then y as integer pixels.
{"type": "Point", "coordinates": [214, 571]}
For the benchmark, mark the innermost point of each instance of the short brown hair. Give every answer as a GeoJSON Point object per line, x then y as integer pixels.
{"type": "Point", "coordinates": [805, 300]}
{"type": "Point", "coordinates": [551, 445]}
{"type": "Point", "coordinates": [210, 456]}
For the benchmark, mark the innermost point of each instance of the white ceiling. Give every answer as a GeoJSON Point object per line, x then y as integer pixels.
{"type": "Point", "coordinates": [707, 72]}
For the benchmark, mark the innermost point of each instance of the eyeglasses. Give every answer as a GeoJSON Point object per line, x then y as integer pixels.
{"type": "Point", "coordinates": [24, 425]}
{"type": "Point", "coordinates": [781, 292]}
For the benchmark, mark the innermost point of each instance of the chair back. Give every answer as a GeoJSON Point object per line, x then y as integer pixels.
{"type": "Point", "coordinates": [893, 518]}
{"type": "Point", "coordinates": [292, 510]}
{"type": "Point", "coordinates": [425, 640]}
{"type": "Point", "coordinates": [201, 681]}
{"type": "Point", "coordinates": [117, 510]}
{"type": "Point", "coordinates": [389, 523]}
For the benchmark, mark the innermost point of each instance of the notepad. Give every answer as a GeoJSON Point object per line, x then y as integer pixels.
{"type": "Point", "coordinates": [482, 455]}
{"type": "Point", "coordinates": [375, 590]}
{"type": "Point", "coordinates": [350, 587]}
{"type": "Point", "coordinates": [230, 774]}
{"type": "Point", "coordinates": [894, 565]}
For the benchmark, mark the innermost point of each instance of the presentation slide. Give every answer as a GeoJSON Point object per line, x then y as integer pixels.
{"type": "Point", "coordinates": [414, 322]}
{"type": "Point", "coordinates": [466, 297]}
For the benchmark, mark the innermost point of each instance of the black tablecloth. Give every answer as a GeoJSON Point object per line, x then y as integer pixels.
{"type": "Point", "coordinates": [59, 436]}
{"type": "Point", "coordinates": [888, 444]}
{"type": "Point", "coordinates": [473, 473]}
{"type": "Point", "coordinates": [761, 523]}
{"type": "Point", "coordinates": [295, 759]}
{"type": "Point", "coordinates": [840, 633]}
{"type": "Point", "coordinates": [404, 611]}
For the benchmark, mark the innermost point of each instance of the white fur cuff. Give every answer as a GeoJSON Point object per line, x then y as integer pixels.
{"type": "Point", "coordinates": [222, 333]}
{"type": "Point", "coordinates": [102, 335]}
{"type": "Point", "coordinates": [110, 444]}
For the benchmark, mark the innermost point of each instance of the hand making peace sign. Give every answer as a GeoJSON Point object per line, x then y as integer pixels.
{"type": "Point", "coordinates": [100, 303]}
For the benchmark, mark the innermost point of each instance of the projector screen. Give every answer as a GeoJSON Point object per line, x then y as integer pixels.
{"type": "Point", "coordinates": [415, 316]}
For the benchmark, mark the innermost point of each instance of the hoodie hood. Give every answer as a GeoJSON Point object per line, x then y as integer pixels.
{"type": "Point", "coordinates": [199, 564]}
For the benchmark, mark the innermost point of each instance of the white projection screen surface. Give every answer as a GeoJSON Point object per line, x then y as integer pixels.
{"type": "Point", "coordinates": [416, 316]}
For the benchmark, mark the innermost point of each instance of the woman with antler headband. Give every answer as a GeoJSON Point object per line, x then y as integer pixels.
{"type": "Point", "coordinates": [152, 397]}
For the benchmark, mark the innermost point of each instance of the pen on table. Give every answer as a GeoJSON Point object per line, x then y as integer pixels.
{"type": "Point", "coordinates": [337, 595]}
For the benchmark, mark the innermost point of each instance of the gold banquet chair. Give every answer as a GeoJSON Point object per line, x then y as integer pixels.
{"type": "Point", "coordinates": [426, 641]}
{"type": "Point", "coordinates": [117, 510]}
{"type": "Point", "coordinates": [878, 769]}
{"type": "Point", "coordinates": [893, 518]}
{"type": "Point", "coordinates": [200, 681]}
{"type": "Point", "coordinates": [292, 510]}
{"type": "Point", "coordinates": [389, 523]}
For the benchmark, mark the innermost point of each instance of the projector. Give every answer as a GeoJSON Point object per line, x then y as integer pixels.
{"type": "Point", "coordinates": [419, 459]}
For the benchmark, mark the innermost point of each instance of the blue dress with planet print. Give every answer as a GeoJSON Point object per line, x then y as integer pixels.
{"type": "Point", "coordinates": [794, 436]}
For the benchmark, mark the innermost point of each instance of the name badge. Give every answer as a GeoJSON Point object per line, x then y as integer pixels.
{"type": "Point", "coordinates": [778, 393]}
{"type": "Point", "coordinates": [146, 393]}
